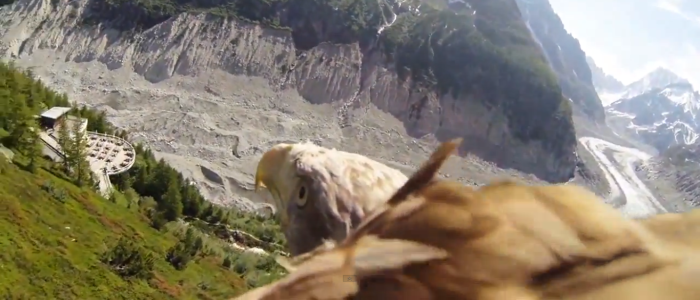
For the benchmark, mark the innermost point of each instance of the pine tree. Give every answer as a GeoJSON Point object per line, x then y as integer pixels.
{"type": "Point", "coordinates": [33, 148]}
{"type": "Point", "coordinates": [192, 204]}
{"type": "Point", "coordinates": [142, 179]}
{"type": "Point", "coordinates": [227, 262]}
{"type": "Point", "coordinates": [78, 155]}
{"type": "Point", "coordinates": [171, 202]}
{"type": "Point", "coordinates": [207, 212]}
{"type": "Point", "coordinates": [22, 125]}
{"type": "Point", "coordinates": [16, 118]}
{"type": "Point", "coordinates": [64, 141]}
{"type": "Point", "coordinates": [5, 103]}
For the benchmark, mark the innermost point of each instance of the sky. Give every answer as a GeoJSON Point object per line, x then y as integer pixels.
{"type": "Point", "coordinates": [630, 38]}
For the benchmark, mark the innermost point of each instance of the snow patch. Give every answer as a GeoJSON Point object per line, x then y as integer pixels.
{"type": "Point", "coordinates": [640, 202]}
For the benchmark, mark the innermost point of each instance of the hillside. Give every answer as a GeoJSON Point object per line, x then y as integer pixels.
{"type": "Point", "coordinates": [55, 236]}
{"type": "Point", "coordinates": [565, 56]}
{"type": "Point", "coordinates": [674, 175]}
{"type": "Point", "coordinates": [63, 241]}
{"type": "Point", "coordinates": [432, 73]}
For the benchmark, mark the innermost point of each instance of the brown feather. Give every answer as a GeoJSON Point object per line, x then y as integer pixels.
{"type": "Point", "coordinates": [503, 241]}
{"type": "Point", "coordinates": [682, 230]}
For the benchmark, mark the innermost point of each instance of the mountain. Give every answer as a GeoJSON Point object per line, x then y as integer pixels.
{"type": "Point", "coordinates": [655, 79]}
{"type": "Point", "coordinates": [565, 56]}
{"type": "Point", "coordinates": [603, 83]}
{"type": "Point", "coordinates": [661, 117]}
{"type": "Point", "coordinates": [675, 175]}
{"type": "Point", "coordinates": [442, 69]}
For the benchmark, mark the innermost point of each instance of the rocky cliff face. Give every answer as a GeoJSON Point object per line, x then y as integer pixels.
{"type": "Point", "coordinates": [352, 74]}
{"type": "Point", "coordinates": [675, 175]}
{"type": "Point", "coordinates": [603, 82]}
{"type": "Point", "coordinates": [564, 55]}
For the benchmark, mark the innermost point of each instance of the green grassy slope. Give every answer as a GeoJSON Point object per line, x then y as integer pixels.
{"type": "Point", "coordinates": [60, 240]}
{"type": "Point", "coordinates": [52, 246]}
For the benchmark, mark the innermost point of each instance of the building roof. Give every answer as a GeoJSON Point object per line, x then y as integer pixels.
{"type": "Point", "coordinates": [55, 112]}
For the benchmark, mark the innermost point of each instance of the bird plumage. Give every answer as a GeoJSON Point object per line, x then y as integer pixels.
{"type": "Point", "coordinates": [437, 239]}
{"type": "Point", "coordinates": [681, 229]}
{"type": "Point", "coordinates": [320, 193]}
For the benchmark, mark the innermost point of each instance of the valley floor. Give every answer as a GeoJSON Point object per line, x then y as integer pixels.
{"type": "Point", "coordinates": [213, 128]}
{"type": "Point", "coordinates": [629, 193]}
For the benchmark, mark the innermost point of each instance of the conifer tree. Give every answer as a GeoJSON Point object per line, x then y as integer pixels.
{"type": "Point", "coordinates": [16, 117]}
{"type": "Point", "coordinates": [78, 154]}
{"type": "Point", "coordinates": [64, 141]}
{"type": "Point", "coordinates": [32, 148]}
{"type": "Point", "coordinates": [21, 124]}
{"type": "Point", "coordinates": [5, 103]}
{"type": "Point", "coordinates": [171, 202]}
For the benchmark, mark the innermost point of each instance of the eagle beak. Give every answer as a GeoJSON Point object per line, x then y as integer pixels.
{"type": "Point", "coordinates": [259, 180]}
{"type": "Point", "coordinates": [270, 163]}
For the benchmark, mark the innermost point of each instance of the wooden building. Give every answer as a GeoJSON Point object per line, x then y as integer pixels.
{"type": "Point", "coordinates": [50, 118]}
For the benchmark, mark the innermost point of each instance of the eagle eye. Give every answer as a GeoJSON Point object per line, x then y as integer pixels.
{"type": "Point", "coordinates": [301, 196]}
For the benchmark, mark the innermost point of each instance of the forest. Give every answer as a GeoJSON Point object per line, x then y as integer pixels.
{"type": "Point", "coordinates": [152, 202]}
{"type": "Point", "coordinates": [484, 52]}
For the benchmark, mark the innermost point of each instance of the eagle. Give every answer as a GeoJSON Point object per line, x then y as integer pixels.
{"type": "Point", "coordinates": [320, 194]}
{"type": "Point", "coordinates": [439, 239]}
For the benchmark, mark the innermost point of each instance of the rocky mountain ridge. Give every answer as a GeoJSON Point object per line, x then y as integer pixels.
{"type": "Point", "coordinates": [674, 175]}
{"type": "Point", "coordinates": [564, 55]}
{"type": "Point", "coordinates": [656, 79]}
{"type": "Point", "coordinates": [508, 126]}
{"type": "Point", "coordinates": [659, 110]}
{"type": "Point", "coordinates": [661, 117]}
{"type": "Point", "coordinates": [604, 83]}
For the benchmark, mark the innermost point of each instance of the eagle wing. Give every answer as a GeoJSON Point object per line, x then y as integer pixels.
{"type": "Point", "coordinates": [504, 241]}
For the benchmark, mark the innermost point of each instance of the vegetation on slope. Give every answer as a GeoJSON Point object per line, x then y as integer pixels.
{"type": "Point", "coordinates": [482, 50]}
{"type": "Point", "coordinates": [490, 56]}
{"type": "Point", "coordinates": [57, 241]}
{"type": "Point", "coordinates": [566, 57]}
{"type": "Point", "coordinates": [63, 241]}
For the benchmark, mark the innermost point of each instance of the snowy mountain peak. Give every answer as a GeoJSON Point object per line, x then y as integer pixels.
{"type": "Point", "coordinates": [679, 92]}
{"type": "Point", "coordinates": [682, 94]}
{"type": "Point", "coordinates": [662, 117]}
{"type": "Point", "coordinates": [657, 79]}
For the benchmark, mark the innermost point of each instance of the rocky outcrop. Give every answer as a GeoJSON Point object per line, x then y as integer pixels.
{"type": "Point", "coordinates": [211, 175]}
{"type": "Point", "coordinates": [564, 55]}
{"type": "Point", "coordinates": [354, 76]}
{"type": "Point", "coordinates": [675, 176]}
